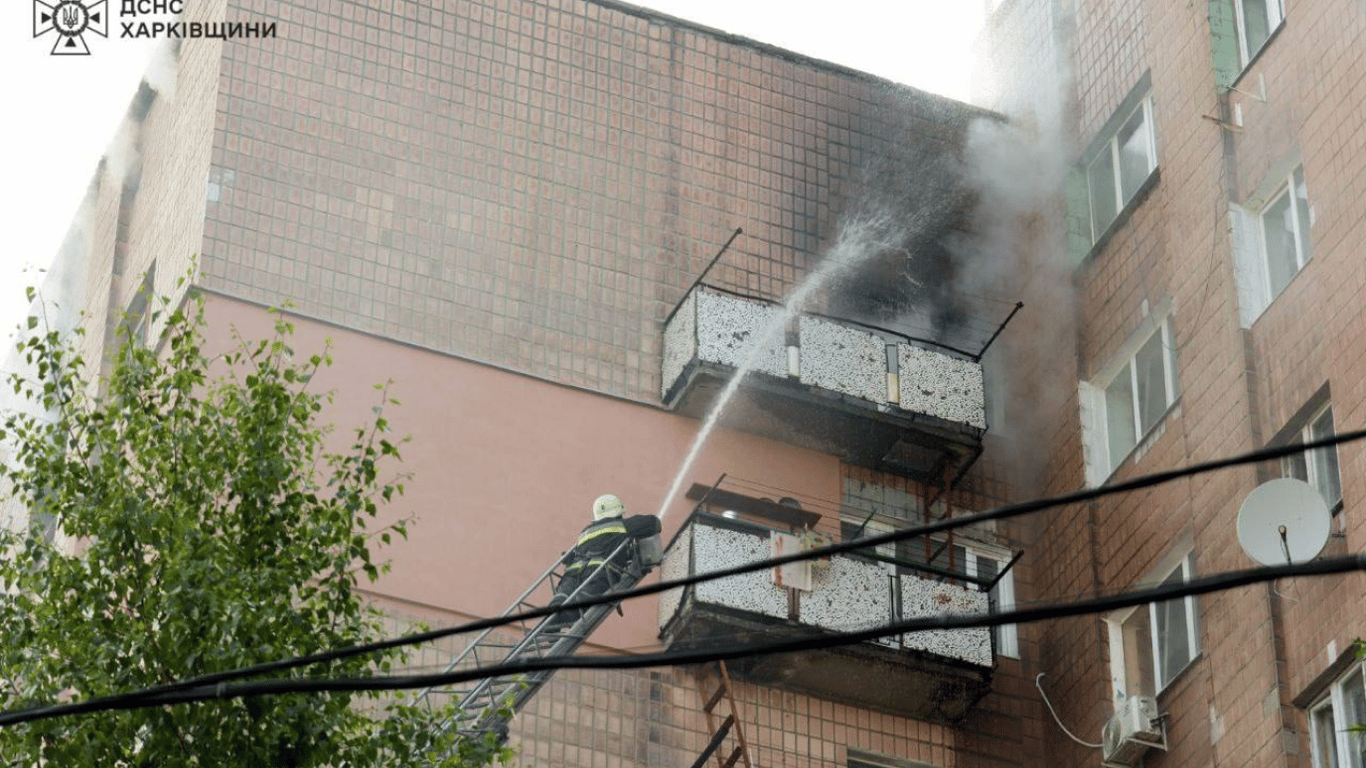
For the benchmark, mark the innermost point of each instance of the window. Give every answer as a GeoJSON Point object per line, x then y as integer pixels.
{"type": "Point", "coordinates": [1344, 706]}
{"type": "Point", "coordinates": [1120, 162]}
{"type": "Point", "coordinates": [1151, 644]}
{"type": "Point", "coordinates": [1129, 398]}
{"type": "Point", "coordinates": [1118, 167]}
{"type": "Point", "coordinates": [1318, 467]}
{"type": "Point", "coordinates": [1271, 244]}
{"type": "Point", "coordinates": [1257, 19]}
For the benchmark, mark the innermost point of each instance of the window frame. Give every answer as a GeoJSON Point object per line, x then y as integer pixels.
{"type": "Point", "coordinates": [1299, 230]}
{"type": "Point", "coordinates": [1107, 146]}
{"type": "Point", "coordinates": [1159, 326]}
{"type": "Point", "coordinates": [1116, 621]}
{"type": "Point", "coordinates": [1274, 7]}
{"type": "Point", "coordinates": [1334, 701]}
{"type": "Point", "coordinates": [1006, 637]}
{"type": "Point", "coordinates": [1304, 432]}
{"type": "Point", "coordinates": [1255, 290]}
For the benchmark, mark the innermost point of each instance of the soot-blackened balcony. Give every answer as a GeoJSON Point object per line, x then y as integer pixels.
{"type": "Point", "coordinates": [937, 675]}
{"type": "Point", "coordinates": [868, 395]}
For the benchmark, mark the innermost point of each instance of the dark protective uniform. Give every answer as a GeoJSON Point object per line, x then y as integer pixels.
{"type": "Point", "coordinates": [597, 541]}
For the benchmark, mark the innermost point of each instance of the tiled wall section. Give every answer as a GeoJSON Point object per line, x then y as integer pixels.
{"type": "Point", "coordinates": [653, 717]}
{"type": "Point", "coordinates": [533, 184]}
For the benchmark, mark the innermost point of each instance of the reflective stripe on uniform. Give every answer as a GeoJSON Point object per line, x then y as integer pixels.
{"type": "Point", "coordinates": [593, 534]}
{"type": "Point", "coordinates": [590, 564]}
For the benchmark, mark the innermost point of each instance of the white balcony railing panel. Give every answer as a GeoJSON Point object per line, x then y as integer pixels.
{"type": "Point", "coordinates": [717, 548]}
{"type": "Point", "coordinates": [680, 343]}
{"type": "Point", "coordinates": [677, 564]}
{"type": "Point", "coordinates": [843, 358]}
{"type": "Point", "coordinates": [938, 385]}
{"type": "Point", "coordinates": [729, 327]}
{"type": "Point", "coordinates": [847, 595]}
{"type": "Point", "coordinates": [922, 597]}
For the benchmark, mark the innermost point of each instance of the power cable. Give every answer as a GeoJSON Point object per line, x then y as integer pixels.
{"type": "Point", "coordinates": [219, 679]}
{"type": "Point", "coordinates": [222, 691]}
{"type": "Point", "coordinates": [1057, 719]}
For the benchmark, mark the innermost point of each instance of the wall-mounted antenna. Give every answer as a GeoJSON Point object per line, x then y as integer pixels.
{"type": "Point", "coordinates": [1284, 521]}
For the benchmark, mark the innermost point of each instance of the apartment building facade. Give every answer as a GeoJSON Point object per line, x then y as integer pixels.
{"type": "Point", "coordinates": [523, 215]}
{"type": "Point", "coordinates": [1209, 231]}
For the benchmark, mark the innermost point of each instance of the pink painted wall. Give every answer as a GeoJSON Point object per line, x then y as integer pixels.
{"type": "Point", "coordinates": [506, 466]}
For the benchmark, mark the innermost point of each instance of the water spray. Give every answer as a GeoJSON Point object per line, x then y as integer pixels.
{"type": "Point", "coordinates": [862, 236]}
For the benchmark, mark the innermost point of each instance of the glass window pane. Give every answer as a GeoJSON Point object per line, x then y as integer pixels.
{"type": "Point", "coordinates": [1100, 178]}
{"type": "Point", "coordinates": [1325, 738]}
{"type": "Point", "coordinates": [1135, 159]}
{"type": "Point", "coordinates": [1282, 263]}
{"type": "Point", "coordinates": [1354, 706]}
{"type": "Point", "coordinates": [1256, 25]}
{"type": "Point", "coordinates": [1302, 214]}
{"type": "Point", "coordinates": [1152, 382]}
{"type": "Point", "coordinates": [1326, 460]}
{"type": "Point", "coordinates": [1295, 466]}
{"type": "Point", "coordinates": [1173, 634]}
{"type": "Point", "coordinates": [1119, 417]}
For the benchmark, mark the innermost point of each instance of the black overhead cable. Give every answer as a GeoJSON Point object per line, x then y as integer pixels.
{"type": "Point", "coordinates": [220, 679]}
{"type": "Point", "coordinates": [1164, 592]}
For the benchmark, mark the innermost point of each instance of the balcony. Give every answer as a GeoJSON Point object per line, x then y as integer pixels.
{"type": "Point", "coordinates": [870, 396]}
{"type": "Point", "coordinates": [936, 675]}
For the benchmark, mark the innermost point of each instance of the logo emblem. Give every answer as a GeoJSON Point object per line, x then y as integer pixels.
{"type": "Point", "coordinates": [70, 19]}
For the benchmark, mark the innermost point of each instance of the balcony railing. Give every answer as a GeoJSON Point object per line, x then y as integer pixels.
{"type": "Point", "coordinates": [866, 394]}
{"type": "Point", "coordinates": [934, 675]}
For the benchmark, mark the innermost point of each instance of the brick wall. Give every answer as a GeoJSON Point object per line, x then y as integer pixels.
{"type": "Point", "coordinates": [1237, 388]}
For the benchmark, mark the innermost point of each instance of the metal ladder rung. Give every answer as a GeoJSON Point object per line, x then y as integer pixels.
{"type": "Point", "coordinates": [715, 699]}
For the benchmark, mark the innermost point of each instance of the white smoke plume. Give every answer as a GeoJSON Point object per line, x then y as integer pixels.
{"type": "Point", "coordinates": [163, 71]}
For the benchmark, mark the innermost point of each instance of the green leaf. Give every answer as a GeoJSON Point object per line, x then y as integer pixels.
{"type": "Point", "coordinates": [210, 547]}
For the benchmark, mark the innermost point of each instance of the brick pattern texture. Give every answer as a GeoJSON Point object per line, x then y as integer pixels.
{"type": "Point", "coordinates": [1298, 99]}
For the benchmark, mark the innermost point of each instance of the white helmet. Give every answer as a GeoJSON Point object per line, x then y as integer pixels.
{"type": "Point", "coordinates": [608, 505]}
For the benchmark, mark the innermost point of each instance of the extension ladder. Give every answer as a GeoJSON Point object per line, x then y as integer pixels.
{"type": "Point", "coordinates": [488, 705]}
{"type": "Point", "coordinates": [729, 727]}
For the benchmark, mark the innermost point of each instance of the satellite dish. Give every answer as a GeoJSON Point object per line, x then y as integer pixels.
{"type": "Point", "coordinates": [1283, 522]}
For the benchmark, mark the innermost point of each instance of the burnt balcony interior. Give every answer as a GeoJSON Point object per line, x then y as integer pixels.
{"type": "Point", "coordinates": [876, 396]}
{"type": "Point", "coordinates": [938, 675]}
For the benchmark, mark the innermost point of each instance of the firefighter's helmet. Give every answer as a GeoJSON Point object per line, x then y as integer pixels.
{"type": "Point", "coordinates": [608, 505]}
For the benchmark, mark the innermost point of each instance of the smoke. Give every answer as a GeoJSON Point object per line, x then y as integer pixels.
{"type": "Point", "coordinates": [1015, 247]}
{"type": "Point", "coordinates": [123, 161]}
{"type": "Point", "coordinates": [163, 70]}
{"type": "Point", "coordinates": [893, 227]}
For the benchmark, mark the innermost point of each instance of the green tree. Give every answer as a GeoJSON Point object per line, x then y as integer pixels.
{"type": "Point", "coordinates": [208, 527]}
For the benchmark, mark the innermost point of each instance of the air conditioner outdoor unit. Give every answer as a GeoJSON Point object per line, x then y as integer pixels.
{"type": "Point", "coordinates": [1133, 729]}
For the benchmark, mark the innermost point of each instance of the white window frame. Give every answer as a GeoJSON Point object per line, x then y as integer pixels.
{"type": "Point", "coordinates": [1313, 460]}
{"type": "Point", "coordinates": [1100, 463]}
{"type": "Point", "coordinates": [1255, 292]}
{"type": "Point", "coordinates": [1110, 149]}
{"type": "Point", "coordinates": [1335, 703]}
{"type": "Point", "coordinates": [1119, 658]}
{"type": "Point", "coordinates": [1275, 14]}
{"type": "Point", "coordinates": [1007, 636]}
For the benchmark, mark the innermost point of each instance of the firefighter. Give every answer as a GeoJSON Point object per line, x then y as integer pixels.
{"type": "Point", "coordinates": [598, 540]}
